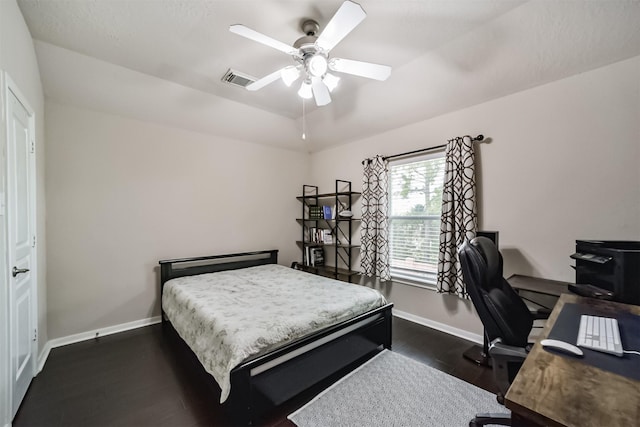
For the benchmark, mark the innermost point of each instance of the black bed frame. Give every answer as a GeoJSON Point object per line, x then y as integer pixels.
{"type": "Point", "coordinates": [271, 379]}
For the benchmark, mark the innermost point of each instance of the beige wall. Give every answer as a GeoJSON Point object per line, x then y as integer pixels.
{"type": "Point", "coordinates": [562, 164]}
{"type": "Point", "coordinates": [124, 194]}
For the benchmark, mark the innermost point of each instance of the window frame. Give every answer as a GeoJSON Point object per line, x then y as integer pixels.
{"type": "Point", "coordinates": [429, 282]}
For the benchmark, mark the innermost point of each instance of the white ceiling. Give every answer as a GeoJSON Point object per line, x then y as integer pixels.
{"type": "Point", "coordinates": [162, 60]}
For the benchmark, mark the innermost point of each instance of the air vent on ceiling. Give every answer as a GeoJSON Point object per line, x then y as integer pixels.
{"type": "Point", "coordinates": [235, 78]}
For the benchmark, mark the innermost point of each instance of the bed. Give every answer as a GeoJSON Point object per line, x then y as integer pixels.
{"type": "Point", "coordinates": [266, 332]}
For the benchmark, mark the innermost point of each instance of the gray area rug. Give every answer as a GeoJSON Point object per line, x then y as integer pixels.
{"type": "Point", "coordinates": [394, 390]}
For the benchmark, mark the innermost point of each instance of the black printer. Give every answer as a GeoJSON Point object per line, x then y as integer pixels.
{"type": "Point", "coordinates": [613, 265]}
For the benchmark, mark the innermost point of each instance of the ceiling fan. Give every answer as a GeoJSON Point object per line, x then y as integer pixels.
{"type": "Point", "coordinates": [311, 54]}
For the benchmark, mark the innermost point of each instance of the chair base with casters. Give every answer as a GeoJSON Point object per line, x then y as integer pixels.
{"type": "Point", "coordinates": [490, 419]}
{"type": "Point", "coordinates": [507, 360]}
{"type": "Point", "coordinates": [479, 355]}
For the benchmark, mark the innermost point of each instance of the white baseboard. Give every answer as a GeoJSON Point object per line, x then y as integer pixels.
{"type": "Point", "coordinates": [44, 354]}
{"type": "Point", "coordinates": [84, 336]}
{"type": "Point", "coordinates": [97, 333]}
{"type": "Point", "coordinates": [461, 333]}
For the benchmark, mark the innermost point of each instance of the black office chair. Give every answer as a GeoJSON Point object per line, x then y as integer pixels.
{"type": "Point", "coordinates": [507, 320]}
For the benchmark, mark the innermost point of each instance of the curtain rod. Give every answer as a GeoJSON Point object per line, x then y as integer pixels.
{"type": "Point", "coordinates": [422, 150]}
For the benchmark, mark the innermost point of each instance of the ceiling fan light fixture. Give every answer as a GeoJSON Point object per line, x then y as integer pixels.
{"type": "Point", "coordinates": [290, 74]}
{"type": "Point", "coordinates": [317, 65]}
{"type": "Point", "coordinates": [331, 81]}
{"type": "Point", "coordinates": [313, 66]}
{"type": "Point", "coordinates": [305, 90]}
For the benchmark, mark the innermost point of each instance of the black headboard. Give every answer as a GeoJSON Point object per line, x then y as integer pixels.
{"type": "Point", "coordinates": [172, 268]}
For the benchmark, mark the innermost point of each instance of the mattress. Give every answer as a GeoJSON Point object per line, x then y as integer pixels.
{"type": "Point", "coordinates": [230, 316]}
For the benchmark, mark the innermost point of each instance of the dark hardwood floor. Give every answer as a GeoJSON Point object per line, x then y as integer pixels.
{"type": "Point", "coordinates": [148, 377]}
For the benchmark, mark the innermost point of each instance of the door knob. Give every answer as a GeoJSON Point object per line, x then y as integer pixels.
{"type": "Point", "coordinates": [17, 271]}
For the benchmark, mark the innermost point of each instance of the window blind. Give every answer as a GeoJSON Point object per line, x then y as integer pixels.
{"type": "Point", "coordinates": [415, 189]}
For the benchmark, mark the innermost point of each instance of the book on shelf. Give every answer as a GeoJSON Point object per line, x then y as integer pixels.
{"type": "Point", "coordinates": [308, 256]}
{"type": "Point", "coordinates": [327, 214]}
{"type": "Point", "coordinates": [320, 235]}
{"type": "Point", "coordinates": [315, 212]}
{"type": "Point", "coordinates": [313, 257]}
{"type": "Point", "coordinates": [316, 235]}
{"type": "Point", "coordinates": [316, 256]}
{"type": "Point", "coordinates": [327, 236]}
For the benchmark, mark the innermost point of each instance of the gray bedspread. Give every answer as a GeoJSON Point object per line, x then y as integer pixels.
{"type": "Point", "coordinates": [229, 316]}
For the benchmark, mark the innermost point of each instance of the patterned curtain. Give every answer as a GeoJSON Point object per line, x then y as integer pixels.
{"type": "Point", "coordinates": [374, 240]}
{"type": "Point", "coordinates": [459, 220]}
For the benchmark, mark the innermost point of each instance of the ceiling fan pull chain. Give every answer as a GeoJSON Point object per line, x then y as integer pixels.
{"type": "Point", "coordinates": [304, 122]}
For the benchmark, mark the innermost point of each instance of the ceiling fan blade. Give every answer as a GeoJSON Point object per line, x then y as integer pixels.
{"type": "Point", "coordinates": [348, 16]}
{"type": "Point", "coordinates": [268, 79]}
{"type": "Point", "coordinates": [320, 92]}
{"type": "Point", "coordinates": [247, 32]}
{"type": "Point", "coordinates": [359, 68]}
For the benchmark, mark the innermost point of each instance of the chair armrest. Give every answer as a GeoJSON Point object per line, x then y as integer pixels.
{"type": "Point", "coordinates": [507, 352]}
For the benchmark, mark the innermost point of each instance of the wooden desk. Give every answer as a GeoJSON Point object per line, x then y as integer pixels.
{"type": "Point", "coordinates": [556, 390]}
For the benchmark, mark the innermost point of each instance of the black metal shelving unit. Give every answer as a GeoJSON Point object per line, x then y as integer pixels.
{"type": "Point", "coordinates": [342, 229]}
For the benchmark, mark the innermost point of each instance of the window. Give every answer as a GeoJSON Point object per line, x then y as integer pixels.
{"type": "Point", "coordinates": [415, 202]}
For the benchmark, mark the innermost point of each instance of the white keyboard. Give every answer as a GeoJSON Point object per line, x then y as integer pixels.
{"type": "Point", "coordinates": [600, 334]}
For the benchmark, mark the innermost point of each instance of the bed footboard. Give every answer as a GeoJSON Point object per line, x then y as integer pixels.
{"type": "Point", "coordinates": [274, 378]}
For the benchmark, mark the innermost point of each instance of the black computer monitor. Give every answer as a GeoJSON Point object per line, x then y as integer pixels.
{"type": "Point", "coordinates": [491, 235]}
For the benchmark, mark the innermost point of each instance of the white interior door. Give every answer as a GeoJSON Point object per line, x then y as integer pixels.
{"type": "Point", "coordinates": [21, 247]}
